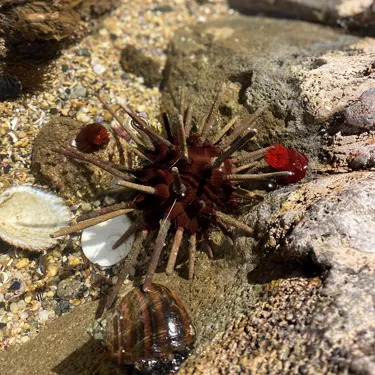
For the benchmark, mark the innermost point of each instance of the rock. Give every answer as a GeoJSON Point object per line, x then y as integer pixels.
{"type": "Point", "coordinates": [356, 15]}
{"type": "Point", "coordinates": [70, 177]}
{"type": "Point", "coordinates": [302, 325]}
{"type": "Point", "coordinates": [352, 151]}
{"type": "Point", "coordinates": [332, 222]}
{"type": "Point", "coordinates": [135, 62]}
{"type": "Point", "coordinates": [99, 69]}
{"type": "Point", "coordinates": [23, 263]}
{"type": "Point", "coordinates": [13, 307]}
{"type": "Point", "coordinates": [361, 114]}
{"type": "Point", "coordinates": [260, 61]}
{"type": "Point", "coordinates": [70, 289]}
{"type": "Point", "coordinates": [332, 81]}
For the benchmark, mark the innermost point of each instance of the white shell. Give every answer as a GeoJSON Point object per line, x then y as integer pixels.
{"type": "Point", "coordinates": [97, 241]}
{"type": "Point", "coordinates": [28, 215]}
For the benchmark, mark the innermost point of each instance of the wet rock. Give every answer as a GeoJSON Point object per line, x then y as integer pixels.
{"type": "Point", "coordinates": [71, 178]}
{"type": "Point", "coordinates": [352, 151]}
{"type": "Point", "coordinates": [70, 289]}
{"type": "Point", "coordinates": [356, 15]}
{"type": "Point", "coordinates": [335, 226]}
{"type": "Point", "coordinates": [259, 60]}
{"type": "Point", "coordinates": [361, 114]}
{"type": "Point", "coordinates": [308, 325]}
{"type": "Point", "coordinates": [134, 61]}
{"type": "Point", "coordinates": [331, 221]}
{"type": "Point", "coordinates": [334, 80]}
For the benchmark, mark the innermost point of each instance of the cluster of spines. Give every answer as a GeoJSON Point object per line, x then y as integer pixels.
{"type": "Point", "coordinates": [147, 139]}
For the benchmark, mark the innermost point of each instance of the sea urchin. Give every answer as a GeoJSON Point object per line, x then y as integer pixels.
{"type": "Point", "coordinates": [188, 180]}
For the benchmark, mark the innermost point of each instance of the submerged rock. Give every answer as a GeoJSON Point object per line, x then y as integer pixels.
{"type": "Point", "coordinates": [73, 178]}
{"type": "Point", "coordinates": [135, 62]}
{"type": "Point", "coordinates": [260, 61]}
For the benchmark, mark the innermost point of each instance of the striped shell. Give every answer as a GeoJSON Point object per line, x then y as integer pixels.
{"type": "Point", "coordinates": [148, 327]}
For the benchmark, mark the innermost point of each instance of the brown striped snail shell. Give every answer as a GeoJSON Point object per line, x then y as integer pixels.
{"type": "Point", "coordinates": [147, 329]}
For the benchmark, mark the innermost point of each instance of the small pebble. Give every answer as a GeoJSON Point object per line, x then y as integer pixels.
{"type": "Point", "coordinates": [99, 69]}
{"type": "Point", "coordinates": [1, 297]}
{"type": "Point", "coordinates": [50, 293]}
{"type": "Point", "coordinates": [78, 92]}
{"type": "Point", "coordinates": [64, 306]}
{"type": "Point", "coordinates": [83, 117]}
{"type": "Point", "coordinates": [109, 201]}
{"type": "Point", "coordinates": [13, 307]}
{"type": "Point", "coordinates": [52, 271]}
{"type": "Point", "coordinates": [21, 304]}
{"type": "Point", "coordinates": [86, 207]}
{"type": "Point", "coordinates": [24, 315]}
{"type": "Point", "coordinates": [22, 263]}
{"type": "Point", "coordinates": [43, 316]}
{"type": "Point", "coordinates": [56, 254]}
{"type": "Point", "coordinates": [107, 116]}
{"type": "Point", "coordinates": [82, 52]}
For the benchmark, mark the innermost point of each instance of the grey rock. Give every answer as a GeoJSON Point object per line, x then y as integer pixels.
{"type": "Point", "coordinates": [331, 82]}
{"type": "Point", "coordinates": [332, 222]}
{"type": "Point", "coordinates": [260, 61]}
{"type": "Point", "coordinates": [355, 15]}
{"type": "Point", "coordinates": [352, 151]}
{"type": "Point", "coordinates": [343, 219]}
{"type": "Point", "coordinates": [361, 114]}
{"type": "Point", "coordinates": [70, 289]}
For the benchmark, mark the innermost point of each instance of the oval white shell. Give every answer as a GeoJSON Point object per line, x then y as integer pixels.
{"type": "Point", "coordinates": [28, 215]}
{"type": "Point", "coordinates": [97, 241]}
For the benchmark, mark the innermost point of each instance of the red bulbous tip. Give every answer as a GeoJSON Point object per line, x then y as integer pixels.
{"type": "Point", "coordinates": [91, 138]}
{"type": "Point", "coordinates": [287, 159]}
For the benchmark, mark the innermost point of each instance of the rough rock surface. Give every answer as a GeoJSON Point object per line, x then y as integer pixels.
{"type": "Point", "coordinates": [318, 325]}
{"type": "Point", "coordinates": [352, 144]}
{"type": "Point", "coordinates": [361, 114]}
{"type": "Point", "coordinates": [352, 151]}
{"type": "Point", "coordinates": [135, 62]}
{"type": "Point", "coordinates": [260, 61]}
{"type": "Point", "coordinates": [334, 80]}
{"type": "Point", "coordinates": [70, 178]}
{"type": "Point", "coordinates": [358, 15]}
